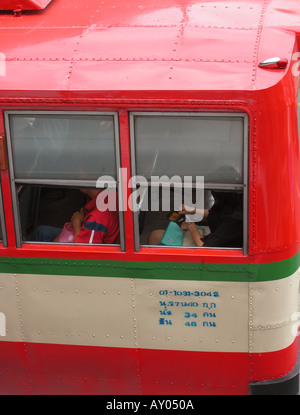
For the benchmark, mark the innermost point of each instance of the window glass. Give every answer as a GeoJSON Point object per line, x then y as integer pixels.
{"type": "Point", "coordinates": [190, 145]}
{"type": "Point", "coordinates": [46, 215]}
{"type": "Point", "coordinates": [55, 162]}
{"type": "Point", "coordinates": [80, 147]}
{"type": "Point", "coordinates": [185, 145]}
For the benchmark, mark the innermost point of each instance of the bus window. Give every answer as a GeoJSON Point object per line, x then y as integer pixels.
{"type": "Point", "coordinates": [52, 155]}
{"type": "Point", "coordinates": [188, 147]}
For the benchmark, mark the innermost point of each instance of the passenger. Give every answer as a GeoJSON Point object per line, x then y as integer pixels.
{"type": "Point", "coordinates": [225, 221]}
{"type": "Point", "coordinates": [90, 225]}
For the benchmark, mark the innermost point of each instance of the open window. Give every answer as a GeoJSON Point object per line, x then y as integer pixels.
{"type": "Point", "coordinates": [189, 145]}
{"type": "Point", "coordinates": [54, 154]}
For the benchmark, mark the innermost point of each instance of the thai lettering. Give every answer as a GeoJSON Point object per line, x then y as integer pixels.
{"type": "Point", "coordinates": [175, 312]}
{"type": "Point", "coordinates": [209, 324]}
{"type": "Point", "coordinates": [211, 315]}
{"type": "Point", "coordinates": [209, 305]}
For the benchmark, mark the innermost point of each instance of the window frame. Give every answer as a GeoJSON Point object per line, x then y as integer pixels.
{"type": "Point", "coordinates": [2, 219]}
{"type": "Point", "coordinates": [244, 186]}
{"type": "Point", "coordinates": [61, 182]}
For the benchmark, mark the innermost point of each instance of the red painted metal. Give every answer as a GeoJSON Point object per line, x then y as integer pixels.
{"type": "Point", "coordinates": [273, 365]}
{"type": "Point", "coordinates": [23, 4]}
{"type": "Point", "coordinates": [79, 46]}
{"type": "Point", "coordinates": [63, 369]}
{"type": "Point", "coordinates": [33, 368]}
{"type": "Point", "coordinates": [162, 55]}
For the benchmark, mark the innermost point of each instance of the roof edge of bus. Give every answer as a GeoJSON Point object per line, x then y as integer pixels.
{"type": "Point", "coordinates": [20, 5]}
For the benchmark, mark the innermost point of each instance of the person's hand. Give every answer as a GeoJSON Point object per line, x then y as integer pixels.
{"type": "Point", "coordinates": [77, 218]}
{"type": "Point", "coordinates": [187, 210]}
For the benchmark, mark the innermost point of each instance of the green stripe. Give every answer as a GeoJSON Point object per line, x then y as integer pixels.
{"type": "Point", "coordinates": [152, 270]}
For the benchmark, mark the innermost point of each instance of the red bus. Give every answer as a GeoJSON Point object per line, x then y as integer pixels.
{"type": "Point", "coordinates": [124, 90]}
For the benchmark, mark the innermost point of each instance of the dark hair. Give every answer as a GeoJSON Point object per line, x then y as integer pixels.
{"type": "Point", "coordinates": [227, 199]}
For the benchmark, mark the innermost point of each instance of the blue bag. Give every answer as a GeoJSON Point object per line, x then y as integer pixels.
{"type": "Point", "coordinates": [173, 235]}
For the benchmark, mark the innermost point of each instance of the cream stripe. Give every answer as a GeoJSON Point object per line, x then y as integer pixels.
{"type": "Point", "coordinates": [158, 314]}
{"type": "Point", "coordinates": [273, 312]}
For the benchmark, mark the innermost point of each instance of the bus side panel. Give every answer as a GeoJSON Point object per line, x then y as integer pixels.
{"type": "Point", "coordinates": [274, 173]}
{"type": "Point", "coordinates": [194, 373]}
{"type": "Point", "coordinates": [34, 368]}
{"type": "Point", "coordinates": [133, 335]}
{"type": "Point", "coordinates": [273, 365]}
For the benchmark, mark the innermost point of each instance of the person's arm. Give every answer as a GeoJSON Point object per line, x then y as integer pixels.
{"type": "Point", "coordinates": [77, 219]}
{"type": "Point", "coordinates": [56, 239]}
{"type": "Point", "coordinates": [196, 235]}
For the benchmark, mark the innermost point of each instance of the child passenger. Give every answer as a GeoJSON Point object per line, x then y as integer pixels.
{"type": "Point", "coordinates": [90, 225]}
